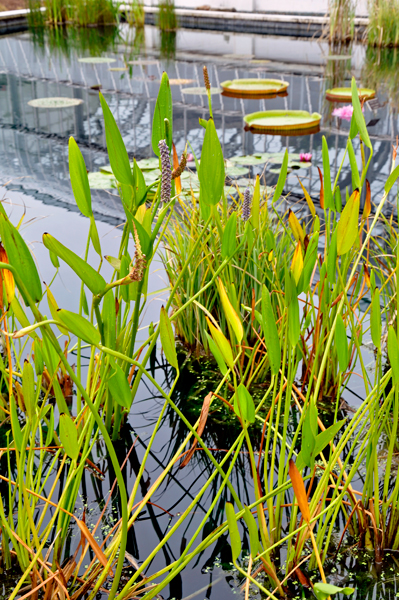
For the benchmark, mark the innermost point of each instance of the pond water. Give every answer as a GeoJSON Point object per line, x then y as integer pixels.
{"type": "Point", "coordinates": [34, 176]}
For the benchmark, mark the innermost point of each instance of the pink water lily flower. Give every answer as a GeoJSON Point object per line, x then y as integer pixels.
{"type": "Point", "coordinates": [305, 157]}
{"type": "Point", "coordinates": [190, 157]}
{"type": "Point", "coordinates": [344, 112]}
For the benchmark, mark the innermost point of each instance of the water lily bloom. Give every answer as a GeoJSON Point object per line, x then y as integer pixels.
{"type": "Point", "coordinates": [190, 157]}
{"type": "Point", "coordinates": [305, 157]}
{"type": "Point", "coordinates": [344, 112]}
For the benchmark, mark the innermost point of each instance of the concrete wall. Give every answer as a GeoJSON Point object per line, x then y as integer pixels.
{"type": "Point", "coordinates": [275, 6]}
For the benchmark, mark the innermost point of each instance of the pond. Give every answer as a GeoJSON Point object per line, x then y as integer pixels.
{"type": "Point", "coordinates": [35, 179]}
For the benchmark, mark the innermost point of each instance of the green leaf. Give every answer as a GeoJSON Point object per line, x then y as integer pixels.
{"type": "Point", "coordinates": [253, 531]}
{"type": "Point", "coordinates": [243, 404]}
{"type": "Point", "coordinates": [69, 436]}
{"type": "Point", "coordinates": [357, 112]}
{"type": "Point", "coordinates": [308, 439]}
{"type": "Point", "coordinates": [79, 326]}
{"type": "Point", "coordinates": [117, 153]}
{"type": "Point", "coordinates": [94, 281]}
{"type": "Point", "coordinates": [354, 167]}
{"type": "Point", "coordinates": [375, 319]}
{"type": "Point", "coordinates": [118, 386]}
{"type": "Point", "coordinates": [229, 312]}
{"type": "Point", "coordinates": [163, 110]}
{"type": "Point", "coordinates": [94, 236]}
{"type": "Point", "coordinates": [15, 426]}
{"type": "Point", "coordinates": [222, 343]}
{"type": "Point", "coordinates": [211, 173]}
{"type": "Point", "coordinates": [50, 427]}
{"type": "Point", "coordinates": [168, 338]}
{"type": "Point", "coordinates": [326, 436]}
{"type": "Point", "coordinates": [391, 179]}
{"type": "Point", "coordinates": [281, 178]}
{"type": "Point", "coordinates": [139, 185]}
{"type": "Point", "coordinates": [332, 259]}
{"type": "Point", "coordinates": [338, 199]}
{"type": "Point", "coordinates": [38, 356]}
{"type": "Point", "coordinates": [323, 590]}
{"type": "Point", "coordinates": [235, 539]}
{"type": "Point", "coordinates": [229, 236]}
{"type": "Point", "coordinates": [202, 122]}
{"type": "Point", "coordinates": [347, 228]}
{"type": "Point", "coordinates": [20, 258]}
{"type": "Point", "coordinates": [310, 261]}
{"type": "Point", "coordinates": [393, 353]}
{"type": "Point", "coordinates": [109, 320]}
{"type": "Point", "coordinates": [328, 198]}
{"type": "Point", "coordinates": [79, 179]}
{"type": "Point", "coordinates": [270, 332]}
{"type": "Point", "coordinates": [256, 204]}
{"type": "Point", "coordinates": [293, 316]}
{"type": "Point", "coordinates": [28, 388]}
{"type": "Point", "coordinates": [217, 354]}
{"type": "Point", "coordinates": [341, 343]}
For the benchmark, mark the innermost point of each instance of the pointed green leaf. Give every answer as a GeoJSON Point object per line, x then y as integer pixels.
{"type": "Point", "coordinates": [118, 386]}
{"type": "Point", "coordinates": [20, 258]}
{"type": "Point", "coordinates": [28, 388]}
{"type": "Point", "coordinates": [253, 531]}
{"type": "Point", "coordinates": [327, 436]}
{"type": "Point", "coordinates": [375, 319]}
{"type": "Point", "coordinates": [256, 204]}
{"type": "Point", "coordinates": [328, 198]}
{"type": "Point", "coordinates": [357, 111]}
{"type": "Point", "coordinates": [347, 228]}
{"type": "Point", "coordinates": [393, 353]}
{"type": "Point", "coordinates": [211, 173]}
{"type": "Point", "coordinates": [69, 436]}
{"type": "Point", "coordinates": [163, 110]}
{"type": "Point", "coordinates": [217, 354]}
{"type": "Point", "coordinates": [270, 332]}
{"type": "Point", "coordinates": [229, 236]}
{"type": "Point", "coordinates": [281, 178]}
{"type": "Point", "coordinates": [246, 408]}
{"type": "Point", "coordinates": [341, 343]}
{"type": "Point", "coordinates": [391, 179]}
{"type": "Point", "coordinates": [117, 153]}
{"type": "Point", "coordinates": [94, 281]}
{"type": "Point", "coordinates": [15, 426]}
{"type": "Point", "coordinates": [79, 179]}
{"type": "Point", "coordinates": [235, 539]}
{"type": "Point", "coordinates": [79, 326]}
{"type": "Point", "coordinates": [168, 338]}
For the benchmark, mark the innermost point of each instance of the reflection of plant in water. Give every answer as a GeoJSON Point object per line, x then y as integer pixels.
{"type": "Point", "coordinates": [337, 72]}
{"type": "Point", "coordinates": [381, 69]}
{"type": "Point", "coordinates": [168, 44]}
{"type": "Point", "coordinates": [136, 14]}
{"type": "Point", "coordinates": [65, 40]}
{"type": "Point", "coordinates": [82, 12]}
{"type": "Point", "coordinates": [383, 29]}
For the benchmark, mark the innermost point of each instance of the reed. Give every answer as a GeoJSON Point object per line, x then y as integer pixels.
{"type": "Point", "coordinates": [383, 28]}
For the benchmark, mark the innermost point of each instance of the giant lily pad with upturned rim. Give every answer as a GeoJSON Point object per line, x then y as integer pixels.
{"type": "Point", "coordinates": [282, 121]}
{"type": "Point", "coordinates": [345, 94]}
{"type": "Point", "coordinates": [253, 88]}
{"type": "Point", "coordinates": [55, 102]}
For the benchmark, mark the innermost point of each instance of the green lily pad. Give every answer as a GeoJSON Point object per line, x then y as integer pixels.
{"type": "Point", "coordinates": [251, 159]}
{"type": "Point", "coordinates": [283, 121]}
{"type": "Point", "coordinates": [151, 176]}
{"type": "Point", "coordinates": [339, 57]}
{"type": "Point", "coordinates": [118, 69]}
{"type": "Point", "coordinates": [55, 102]}
{"type": "Point", "coordinates": [101, 181]}
{"type": "Point", "coordinates": [96, 60]}
{"type": "Point", "coordinates": [345, 94]}
{"type": "Point", "coordinates": [199, 91]}
{"type": "Point", "coordinates": [148, 163]}
{"type": "Point", "coordinates": [294, 164]}
{"type": "Point", "coordinates": [254, 87]}
{"type": "Point", "coordinates": [277, 170]}
{"type": "Point", "coordinates": [235, 171]}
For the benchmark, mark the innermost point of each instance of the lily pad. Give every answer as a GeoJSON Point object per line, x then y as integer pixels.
{"type": "Point", "coordinates": [148, 163]}
{"type": "Point", "coordinates": [181, 81]}
{"type": "Point", "coordinates": [255, 87]}
{"type": "Point", "coordinates": [118, 69]}
{"type": "Point", "coordinates": [251, 159]}
{"type": "Point", "coordinates": [96, 60]}
{"type": "Point", "coordinates": [151, 176]}
{"type": "Point", "coordinates": [299, 164]}
{"type": "Point", "coordinates": [199, 91]}
{"type": "Point", "coordinates": [339, 57]}
{"type": "Point", "coordinates": [101, 181]}
{"type": "Point", "coordinates": [234, 172]}
{"type": "Point", "coordinates": [282, 121]}
{"type": "Point", "coordinates": [278, 157]}
{"type": "Point", "coordinates": [345, 94]}
{"type": "Point", "coordinates": [55, 102]}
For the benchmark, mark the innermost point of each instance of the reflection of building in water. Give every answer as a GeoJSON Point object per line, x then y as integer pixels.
{"type": "Point", "coordinates": [33, 142]}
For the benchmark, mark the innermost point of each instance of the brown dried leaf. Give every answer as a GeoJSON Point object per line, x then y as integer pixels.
{"type": "Point", "coordinates": [299, 489]}
{"type": "Point", "coordinates": [321, 189]}
{"type": "Point", "coordinates": [94, 545]}
{"type": "Point", "coordinates": [201, 427]}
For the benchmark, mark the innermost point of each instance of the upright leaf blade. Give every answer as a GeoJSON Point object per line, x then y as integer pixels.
{"type": "Point", "coordinates": [119, 386]}
{"type": "Point", "coordinates": [341, 343]}
{"type": "Point", "coordinates": [270, 332]}
{"type": "Point", "coordinates": [235, 539]}
{"type": "Point", "coordinates": [69, 436]}
{"type": "Point", "coordinates": [163, 110]}
{"type": "Point", "coordinates": [299, 490]}
{"type": "Point", "coordinates": [79, 179]}
{"type": "Point", "coordinates": [117, 153]}
{"type": "Point", "coordinates": [212, 174]}
{"type": "Point", "coordinates": [347, 228]}
{"type": "Point", "coordinates": [375, 319]}
{"type": "Point", "coordinates": [168, 339]}
{"type": "Point", "coordinates": [357, 112]}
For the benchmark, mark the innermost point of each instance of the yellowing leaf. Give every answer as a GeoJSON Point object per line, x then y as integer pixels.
{"type": "Point", "coordinates": [347, 229]}
{"type": "Point", "coordinates": [231, 315]}
{"type": "Point", "coordinates": [297, 263]}
{"type": "Point", "coordinates": [367, 202]}
{"type": "Point", "coordinates": [6, 276]}
{"type": "Point", "coordinates": [308, 200]}
{"type": "Point", "coordinates": [176, 166]}
{"type": "Point", "coordinates": [222, 343]}
{"type": "Point", "coordinates": [299, 490]}
{"type": "Point", "coordinates": [295, 226]}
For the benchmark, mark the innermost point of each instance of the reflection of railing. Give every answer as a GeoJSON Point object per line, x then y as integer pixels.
{"type": "Point", "coordinates": [39, 137]}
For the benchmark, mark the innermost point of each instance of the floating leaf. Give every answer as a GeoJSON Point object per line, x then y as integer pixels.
{"type": "Point", "coordinates": [55, 102]}
{"type": "Point", "coordinates": [97, 60]}
{"type": "Point", "coordinates": [199, 91]}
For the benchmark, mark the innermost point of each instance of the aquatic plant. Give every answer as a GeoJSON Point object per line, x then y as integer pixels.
{"type": "Point", "coordinates": [383, 27]}
{"type": "Point", "coordinates": [81, 12]}
{"type": "Point", "coordinates": [166, 18]}
{"type": "Point", "coordinates": [342, 21]}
